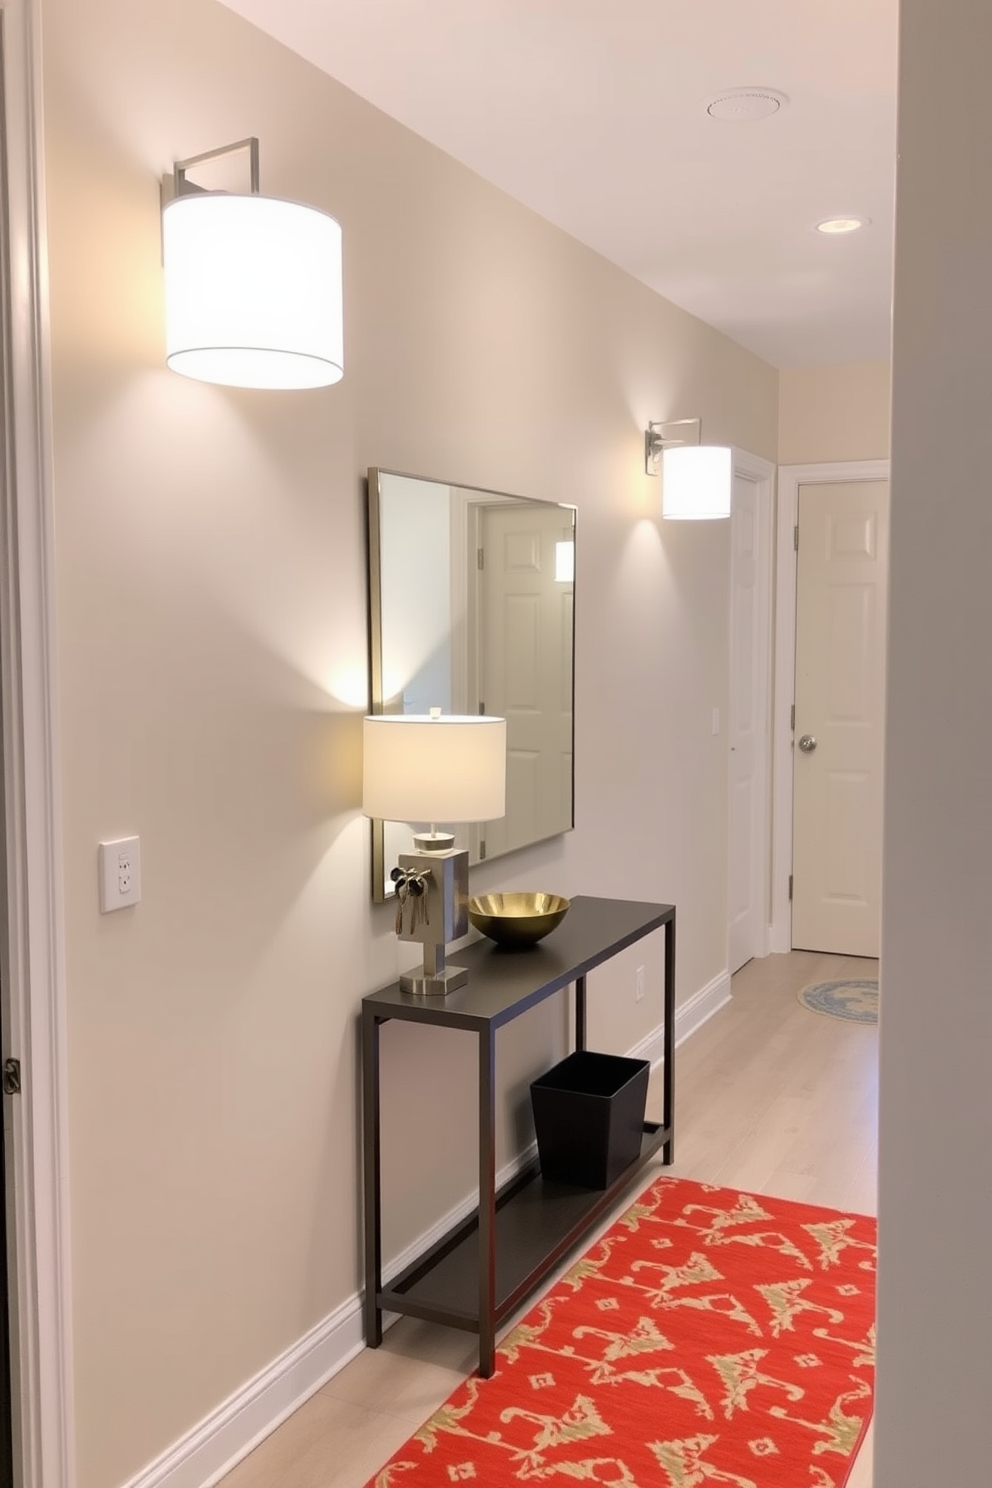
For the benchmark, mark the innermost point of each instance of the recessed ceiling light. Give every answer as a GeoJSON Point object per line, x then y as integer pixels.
{"type": "Point", "coordinates": [741, 105]}
{"type": "Point", "coordinates": [835, 225]}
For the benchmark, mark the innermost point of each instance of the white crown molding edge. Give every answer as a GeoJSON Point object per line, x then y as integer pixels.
{"type": "Point", "coordinates": [211, 1449]}
{"type": "Point", "coordinates": [790, 478]}
{"type": "Point", "coordinates": [41, 1331]}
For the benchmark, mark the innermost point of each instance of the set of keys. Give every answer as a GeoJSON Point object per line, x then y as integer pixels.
{"type": "Point", "coordinates": [412, 886]}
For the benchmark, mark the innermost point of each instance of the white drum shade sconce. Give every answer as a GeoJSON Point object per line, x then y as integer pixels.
{"type": "Point", "coordinates": [696, 478]}
{"type": "Point", "coordinates": [253, 290]}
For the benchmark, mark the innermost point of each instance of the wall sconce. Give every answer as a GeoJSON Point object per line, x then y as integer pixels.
{"type": "Point", "coordinates": [253, 292]}
{"type": "Point", "coordinates": [433, 768]}
{"type": "Point", "coordinates": [565, 559]}
{"type": "Point", "coordinates": [696, 478]}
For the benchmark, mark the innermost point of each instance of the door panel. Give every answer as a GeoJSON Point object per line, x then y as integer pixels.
{"type": "Point", "coordinates": [526, 668]}
{"type": "Point", "coordinates": [842, 580]}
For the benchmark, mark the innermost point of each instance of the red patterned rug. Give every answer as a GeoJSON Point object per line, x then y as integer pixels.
{"type": "Point", "coordinates": [709, 1338]}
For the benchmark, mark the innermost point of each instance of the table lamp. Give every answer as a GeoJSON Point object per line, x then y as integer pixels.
{"type": "Point", "coordinates": [433, 768]}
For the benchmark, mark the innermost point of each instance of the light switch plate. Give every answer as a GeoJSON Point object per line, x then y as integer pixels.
{"type": "Point", "coordinates": [120, 874]}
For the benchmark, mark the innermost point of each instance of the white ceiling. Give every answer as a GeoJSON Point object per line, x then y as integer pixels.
{"type": "Point", "coordinates": [593, 113]}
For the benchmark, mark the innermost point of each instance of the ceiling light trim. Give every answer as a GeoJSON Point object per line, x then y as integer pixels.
{"type": "Point", "coordinates": [839, 227]}
{"type": "Point", "coordinates": [746, 105]}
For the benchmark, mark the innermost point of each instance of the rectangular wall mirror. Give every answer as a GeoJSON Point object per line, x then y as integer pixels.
{"type": "Point", "coordinates": [471, 597]}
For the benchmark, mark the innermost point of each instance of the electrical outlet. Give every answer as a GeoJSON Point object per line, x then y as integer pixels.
{"type": "Point", "coordinates": [120, 874]}
{"type": "Point", "coordinates": [639, 985]}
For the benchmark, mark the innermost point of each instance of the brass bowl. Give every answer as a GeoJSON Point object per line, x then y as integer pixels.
{"type": "Point", "coordinates": [517, 919]}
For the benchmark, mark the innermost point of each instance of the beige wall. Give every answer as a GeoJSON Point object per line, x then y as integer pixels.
{"type": "Point", "coordinates": [935, 1200]}
{"type": "Point", "coordinates": [834, 413]}
{"type": "Point", "coordinates": [212, 665]}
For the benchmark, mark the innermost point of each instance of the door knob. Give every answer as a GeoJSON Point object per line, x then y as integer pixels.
{"type": "Point", "coordinates": [807, 743]}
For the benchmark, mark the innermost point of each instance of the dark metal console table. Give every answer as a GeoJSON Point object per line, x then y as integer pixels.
{"type": "Point", "coordinates": [479, 1272]}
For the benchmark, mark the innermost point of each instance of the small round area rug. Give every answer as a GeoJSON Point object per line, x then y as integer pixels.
{"type": "Point", "coordinates": [855, 1000]}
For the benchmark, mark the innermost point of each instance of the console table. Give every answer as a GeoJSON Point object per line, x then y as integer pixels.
{"type": "Point", "coordinates": [479, 1272]}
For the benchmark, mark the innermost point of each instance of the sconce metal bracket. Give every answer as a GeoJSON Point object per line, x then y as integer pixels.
{"type": "Point", "coordinates": [177, 183]}
{"type": "Point", "coordinates": [660, 436]}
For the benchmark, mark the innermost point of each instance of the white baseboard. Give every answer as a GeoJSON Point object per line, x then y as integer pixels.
{"type": "Point", "coordinates": [204, 1455]}
{"type": "Point", "coordinates": [221, 1439]}
{"type": "Point", "coordinates": [689, 1016]}
{"type": "Point", "coordinates": [207, 1453]}
{"type": "Point", "coordinates": [700, 1007]}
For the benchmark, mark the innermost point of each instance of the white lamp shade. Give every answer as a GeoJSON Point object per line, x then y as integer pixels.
{"type": "Point", "coordinates": [696, 481]}
{"type": "Point", "coordinates": [253, 293]}
{"type": "Point", "coordinates": [422, 769]}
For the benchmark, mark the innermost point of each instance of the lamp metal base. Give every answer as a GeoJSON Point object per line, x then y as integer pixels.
{"type": "Point", "coordinates": [447, 980]}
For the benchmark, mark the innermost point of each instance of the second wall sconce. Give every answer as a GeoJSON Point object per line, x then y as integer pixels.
{"type": "Point", "coordinates": [253, 289]}
{"type": "Point", "coordinates": [696, 478]}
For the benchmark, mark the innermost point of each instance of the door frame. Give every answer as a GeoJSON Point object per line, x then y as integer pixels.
{"type": "Point", "coordinates": [762, 474]}
{"type": "Point", "coordinates": [41, 1343]}
{"type": "Point", "coordinates": [790, 479]}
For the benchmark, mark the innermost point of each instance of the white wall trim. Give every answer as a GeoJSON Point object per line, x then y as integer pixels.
{"type": "Point", "coordinates": [699, 1009]}
{"type": "Point", "coordinates": [204, 1455]}
{"type": "Point", "coordinates": [210, 1450]}
{"type": "Point", "coordinates": [37, 1125]}
{"type": "Point", "coordinates": [762, 473]}
{"type": "Point", "coordinates": [690, 1016]}
{"type": "Point", "coordinates": [790, 478]}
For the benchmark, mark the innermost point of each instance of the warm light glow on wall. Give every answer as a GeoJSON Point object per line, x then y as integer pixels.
{"type": "Point", "coordinates": [253, 291]}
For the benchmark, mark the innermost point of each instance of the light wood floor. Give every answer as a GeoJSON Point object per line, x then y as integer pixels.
{"type": "Point", "coordinates": [770, 1098]}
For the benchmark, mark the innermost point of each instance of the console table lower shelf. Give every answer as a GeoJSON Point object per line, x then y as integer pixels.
{"type": "Point", "coordinates": [480, 1271]}
{"type": "Point", "coordinates": [537, 1223]}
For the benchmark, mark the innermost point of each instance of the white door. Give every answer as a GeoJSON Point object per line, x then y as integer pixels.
{"type": "Point", "coordinates": [748, 724]}
{"type": "Point", "coordinates": [525, 668]}
{"type": "Point", "coordinates": [841, 584]}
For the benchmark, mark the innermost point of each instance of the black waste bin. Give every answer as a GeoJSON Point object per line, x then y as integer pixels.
{"type": "Point", "coordinates": [589, 1117]}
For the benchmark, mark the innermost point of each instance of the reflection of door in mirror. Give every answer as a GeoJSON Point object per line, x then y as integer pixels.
{"type": "Point", "coordinates": [525, 667]}
{"type": "Point", "coordinates": [471, 610]}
